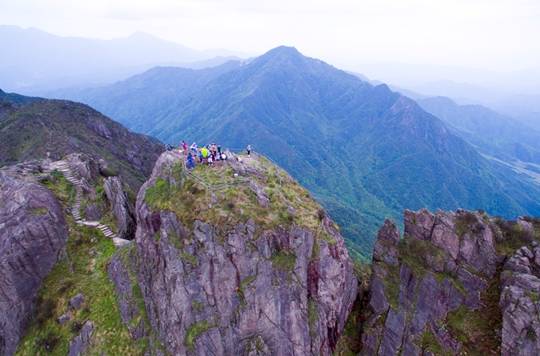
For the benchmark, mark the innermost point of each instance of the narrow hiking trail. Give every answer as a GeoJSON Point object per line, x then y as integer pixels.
{"type": "Point", "coordinates": [63, 167]}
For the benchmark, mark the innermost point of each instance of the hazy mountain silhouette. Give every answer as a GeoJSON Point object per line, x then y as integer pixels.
{"type": "Point", "coordinates": [36, 62]}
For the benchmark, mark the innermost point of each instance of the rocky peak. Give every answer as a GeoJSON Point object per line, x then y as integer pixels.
{"type": "Point", "coordinates": [440, 289]}
{"type": "Point", "coordinates": [238, 259]}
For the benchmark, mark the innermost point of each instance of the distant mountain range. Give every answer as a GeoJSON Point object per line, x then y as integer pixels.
{"type": "Point", "coordinates": [364, 151]}
{"type": "Point", "coordinates": [37, 62]}
{"type": "Point", "coordinates": [493, 133]}
{"type": "Point", "coordinates": [36, 128]}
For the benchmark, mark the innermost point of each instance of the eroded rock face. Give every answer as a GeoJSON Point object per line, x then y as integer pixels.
{"type": "Point", "coordinates": [121, 208]}
{"type": "Point", "coordinates": [444, 262]}
{"type": "Point", "coordinates": [241, 290]}
{"type": "Point", "coordinates": [520, 303]}
{"type": "Point", "coordinates": [32, 234]}
{"type": "Point", "coordinates": [120, 272]}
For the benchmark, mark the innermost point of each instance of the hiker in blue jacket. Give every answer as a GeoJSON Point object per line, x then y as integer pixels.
{"type": "Point", "coordinates": [190, 161]}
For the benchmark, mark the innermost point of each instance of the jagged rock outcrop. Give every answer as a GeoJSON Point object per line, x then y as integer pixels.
{"type": "Point", "coordinates": [33, 233]}
{"type": "Point", "coordinates": [440, 289]}
{"type": "Point", "coordinates": [226, 272]}
{"type": "Point", "coordinates": [121, 208]}
{"type": "Point", "coordinates": [520, 303]}
{"type": "Point", "coordinates": [80, 343]}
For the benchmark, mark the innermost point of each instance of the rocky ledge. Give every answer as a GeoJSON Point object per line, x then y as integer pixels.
{"type": "Point", "coordinates": [239, 259]}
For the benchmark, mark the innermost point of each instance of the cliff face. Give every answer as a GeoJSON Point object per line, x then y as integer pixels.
{"type": "Point", "coordinates": [238, 259]}
{"type": "Point", "coordinates": [454, 284]}
{"type": "Point", "coordinates": [33, 232]}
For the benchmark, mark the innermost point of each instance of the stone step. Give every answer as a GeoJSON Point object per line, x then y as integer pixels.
{"type": "Point", "coordinates": [91, 223]}
{"type": "Point", "coordinates": [118, 242]}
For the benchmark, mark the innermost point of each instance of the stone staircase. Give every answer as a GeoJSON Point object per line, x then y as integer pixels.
{"type": "Point", "coordinates": [63, 167]}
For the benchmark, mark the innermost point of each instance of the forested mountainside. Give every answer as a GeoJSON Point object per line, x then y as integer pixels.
{"type": "Point", "coordinates": [35, 128]}
{"type": "Point", "coordinates": [365, 152]}
{"type": "Point", "coordinates": [494, 134]}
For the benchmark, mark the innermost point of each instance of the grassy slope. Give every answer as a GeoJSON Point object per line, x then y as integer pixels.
{"type": "Point", "coordinates": [81, 270]}
{"type": "Point", "coordinates": [224, 200]}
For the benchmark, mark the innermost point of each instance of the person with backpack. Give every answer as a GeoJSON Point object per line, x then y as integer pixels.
{"type": "Point", "coordinates": [248, 149]}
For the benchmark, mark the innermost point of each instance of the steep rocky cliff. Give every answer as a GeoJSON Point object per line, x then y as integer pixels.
{"type": "Point", "coordinates": [55, 294]}
{"type": "Point", "coordinates": [238, 259]}
{"type": "Point", "coordinates": [33, 232]}
{"type": "Point", "coordinates": [457, 283]}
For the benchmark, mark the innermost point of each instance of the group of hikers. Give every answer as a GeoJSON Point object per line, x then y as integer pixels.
{"type": "Point", "coordinates": [208, 154]}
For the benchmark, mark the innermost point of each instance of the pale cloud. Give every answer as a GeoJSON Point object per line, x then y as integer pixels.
{"type": "Point", "coordinates": [493, 34]}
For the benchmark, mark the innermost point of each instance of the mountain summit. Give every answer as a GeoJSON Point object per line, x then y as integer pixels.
{"type": "Point", "coordinates": [364, 151]}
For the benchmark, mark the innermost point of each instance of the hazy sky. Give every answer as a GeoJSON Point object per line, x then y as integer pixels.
{"type": "Point", "coordinates": [488, 34]}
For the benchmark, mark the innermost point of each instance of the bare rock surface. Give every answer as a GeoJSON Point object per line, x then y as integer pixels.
{"type": "Point", "coordinates": [121, 208]}
{"type": "Point", "coordinates": [80, 343]}
{"type": "Point", "coordinates": [238, 287]}
{"type": "Point", "coordinates": [32, 234]}
{"type": "Point", "coordinates": [444, 262]}
{"type": "Point", "coordinates": [520, 303]}
{"type": "Point", "coordinates": [121, 271]}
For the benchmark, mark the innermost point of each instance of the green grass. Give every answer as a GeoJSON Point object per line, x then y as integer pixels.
{"type": "Point", "coordinates": [39, 211]}
{"type": "Point", "coordinates": [477, 329]}
{"type": "Point", "coordinates": [428, 342]}
{"type": "Point", "coordinates": [242, 288]}
{"type": "Point", "coordinates": [83, 271]}
{"type": "Point", "coordinates": [216, 197]}
{"type": "Point", "coordinates": [197, 306]}
{"type": "Point", "coordinates": [189, 258]}
{"type": "Point", "coordinates": [534, 296]}
{"type": "Point", "coordinates": [513, 237]}
{"type": "Point", "coordinates": [349, 343]}
{"type": "Point", "coordinates": [283, 261]}
{"type": "Point", "coordinates": [194, 331]}
{"type": "Point", "coordinates": [391, 286]}
{"type": "Point", "coordinates": [62, 189]}
{"type": "Point", "coordinates": [414, 253]}
{"type": "Point", "coordinates": [463, 223]}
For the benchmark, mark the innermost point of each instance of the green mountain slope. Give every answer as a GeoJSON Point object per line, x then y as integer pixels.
{"type": "Point", "coordinates": [33, 128]}
{"type": "Point", "coordinates": [493, 133]}
{"type": "Point", "coordinates": [364, 151]}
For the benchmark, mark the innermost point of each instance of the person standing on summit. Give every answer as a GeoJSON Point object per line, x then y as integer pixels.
{"type": "Point", "coordinates": [248, 149]}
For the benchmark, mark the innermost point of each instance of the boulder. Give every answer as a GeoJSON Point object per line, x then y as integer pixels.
{"type": "Point", "coordinates": [76, 302]}
{"type": "Point", "coordinates": [80, 343]}
{"type": "Point", "coordinates": [121, 207]}
{"type": "Point", "coordinates": [33, 233]}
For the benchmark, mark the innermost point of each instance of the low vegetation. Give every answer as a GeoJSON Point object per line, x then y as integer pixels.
{"type": "Point", "coordinates": [478, 329]}
{"type": "Point", "coordinates": [217, 196]}
{"type": "Point", "coordinates": [193, 332]}
{"type": "Point", "coordinates": [83, 269]}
